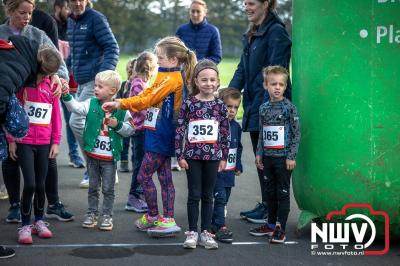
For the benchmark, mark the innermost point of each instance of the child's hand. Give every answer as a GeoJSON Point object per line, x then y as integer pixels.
{"type": "Point", "coordinates": [54, 151]}
{"type": "Point", "coordinates": [65, 87]}
{"type": "Point", "coordinates": [183, 164]}
{"type": "Point", "coordinates": [237, 173]}
{"type": "Point", "coordinates": [111, 122]}
{"type": "Point", "coordinates": [290, 164]}
{"type": "Point", "coordinates": [56, 83]}
{"type": "Point", "coordinates": [111, 106]}
{"type": "Point", "coordinates": [259, 163]}
{"type": "Point", "coordinates": [12, 149]}
{"type": "Point", "coordinates": [221, 166]}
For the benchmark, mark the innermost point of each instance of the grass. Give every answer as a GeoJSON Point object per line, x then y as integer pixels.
{"type": "Point", "coordinates": [226, 70]}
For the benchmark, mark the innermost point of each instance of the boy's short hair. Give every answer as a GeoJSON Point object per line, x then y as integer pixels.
{"type": "Point", "coordinates": [110, 77]}
{"type": "Point", "coordinates": [229, 93]}
{"type": "Point", "coordinates": [277, 70]}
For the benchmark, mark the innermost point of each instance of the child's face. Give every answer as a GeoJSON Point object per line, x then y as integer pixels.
{"type": "Point", "coordinates": [164, 61]}
{"type": "Point", "coordinates": [207, 81]}
{"type": "Point", "coordinates": [103, 91]}
{"type": "Point", "coordinates": [275, 84]}
{"type": "Point", "coordinates": [233, 107]}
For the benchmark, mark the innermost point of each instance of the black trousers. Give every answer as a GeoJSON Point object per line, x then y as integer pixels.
{"type": "Point", "coordinates": [12, 180]}
{"type": "Point", "coordinates": [201, 176]}
{"type": "Point", "coordinates": [254, 141]}
{"type": "Point", "coordinates": [277, 189]}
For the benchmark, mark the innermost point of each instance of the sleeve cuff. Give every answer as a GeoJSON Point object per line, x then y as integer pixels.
{"type": "Point", "coordinates": [67, 98]}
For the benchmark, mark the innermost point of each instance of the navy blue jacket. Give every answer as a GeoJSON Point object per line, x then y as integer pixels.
{"type": "Point", "coordinates": [270, 45]}
{"type": "Point", "coordinates": [204, 39]}
{"type": "Point", "coordinates": [227, 178]}
{"type": "Point", "coordinates": [93, 45]}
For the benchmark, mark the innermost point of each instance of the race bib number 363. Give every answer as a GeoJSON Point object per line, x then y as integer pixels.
{"type": "Point", "coordinates": [102, 147]}
{"type": "Point", "coordinates": [203, 131]}
{"type": "Point", "coordinates": [39, 113]}
{"type": "Point", "coordinates": [274, 137]}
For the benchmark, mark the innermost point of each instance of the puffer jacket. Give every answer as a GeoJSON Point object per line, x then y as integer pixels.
{"type": "Point", "coordinates": [270, 45]}
{"type": "Point", "coordinates": [93, 45]}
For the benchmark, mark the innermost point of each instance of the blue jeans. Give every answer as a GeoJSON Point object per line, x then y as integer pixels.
{"type": "Point", "coordinates": [125, 149]}
{"type": "Point", "coordinates": [72, 142]}
{"type": "Point", "coordinates": [221, 197]}
{"type": "Point", "coordinates": [137, 158]}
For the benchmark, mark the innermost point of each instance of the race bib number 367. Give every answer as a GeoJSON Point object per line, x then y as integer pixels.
{"type": "Point", "coordinates": [203, 131]}
{"type": "Point", "coordinates": [274, 137]}
{"type": "Point", "coordinates": [39, 113]}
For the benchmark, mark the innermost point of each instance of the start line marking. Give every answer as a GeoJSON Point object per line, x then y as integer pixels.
{"type": "Point", "coordinates": [132, 245]}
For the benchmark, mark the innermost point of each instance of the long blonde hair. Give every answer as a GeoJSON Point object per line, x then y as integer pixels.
{"type": "Point", "coordinates": [174, 47]}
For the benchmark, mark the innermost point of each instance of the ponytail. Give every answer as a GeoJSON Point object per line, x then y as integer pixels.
{"type": "Point", "coordinates": [189, 66]}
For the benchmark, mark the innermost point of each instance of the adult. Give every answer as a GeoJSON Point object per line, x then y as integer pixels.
{"type": "Point", "coordinates": [93, 49]}
{"type": "Point", "coordinates": [61, 14]}
{"type": "Point", "coordinates": [20, 13]}
{"type": "Point", "coordinates": [199, 35]}
{"type": "Point", "coordinates": [265, 43]}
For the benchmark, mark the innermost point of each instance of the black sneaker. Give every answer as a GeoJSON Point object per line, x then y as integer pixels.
{"type": "Point", "coordinates": [14, 214]}
{"type": "Point", "coordinates": [263, 230]}
{"type": "Point", "coordinates": [278, 237]}
{"type": "Point", "coordinates": [224, 235]}
{"type": "Point", "coordinates": [6, 253]}
{"type": "Point", "coordinates": [57, 211]}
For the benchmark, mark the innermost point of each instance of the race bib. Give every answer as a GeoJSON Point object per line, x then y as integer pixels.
{"type": "Point", "coordinates": [274, 137]}
{"type": "Point", "coordinates": [231, 161]}
{"type": "Point", "coordinates": [102, 147]}
{"type": "Point", "coordinates": [203, 131]}
{"type": "Point", "coordinates": [39, 113]}
{"type": "Point", "coordinates": [151, 118]}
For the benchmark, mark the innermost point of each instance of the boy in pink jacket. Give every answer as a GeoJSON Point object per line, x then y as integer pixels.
{"type": "Point", "coordinates": [41, 142]}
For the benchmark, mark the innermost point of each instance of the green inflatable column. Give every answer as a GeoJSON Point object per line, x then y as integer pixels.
{"type": "Point", "coordinates": [346, 85]}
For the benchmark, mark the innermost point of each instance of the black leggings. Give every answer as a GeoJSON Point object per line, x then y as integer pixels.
{"type": "Point", "coordinates": [34, 164]}
{"type": "Point", "coordinates": [254, 141]}
{"type": "Point", "coordinates": [201, 176]}
{"type": "Point", "coordinates": [12, 177]}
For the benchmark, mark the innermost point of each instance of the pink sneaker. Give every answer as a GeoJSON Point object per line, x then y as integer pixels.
{"type": "Point", "coordinates": [25, 235]}
{"type": "Point", "coordinates": [40, 228]}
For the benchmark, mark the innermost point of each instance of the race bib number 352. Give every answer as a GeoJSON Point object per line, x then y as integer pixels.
{"type": "Point", "coordinates": [203, 131]}
{"type": "Point", "coordinates": [274, 137]}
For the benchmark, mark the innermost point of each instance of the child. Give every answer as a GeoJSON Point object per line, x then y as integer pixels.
{"type": "Point", "coordinates": [163, 100]}
{"type": "Point", "coordinates": [124, 93]}
{"type": "Point", "coordinates": [276, 151]}
{"type": "Point", "coordinates": [102, 139]}
{"type": "Point", "coordinates": [41, 143]}
{"type": "Point", "coordinates": [202, 146]}
{"type": "Point", "coordinates": [145, 66]}
{"type": "Point", "coordinates": [226, 179]}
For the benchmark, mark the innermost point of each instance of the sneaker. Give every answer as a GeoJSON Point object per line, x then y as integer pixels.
{"type": "Point", "coordinates": [259, 216]}
{"type": "Point", "coordinates": [136, 204]}
{"type": "Point", "coordinates": [41, 229]}
{"type": "Point", "coordinates": [58, 211]}
{"type": "Point", "coordinates": [164, 227]}
{"type": "Point", "coordinates": [124, 166]}
{"type": "Point", "coordinates": [76, 161]}
{"type": "Point", "coordinates": [144, 223]}
{"type": "Point", "coordinates": [14, 214]}
{"type": "Point", "coordinates": [3, 192]}
{"type": "Point", "coordinates": [263, 230]}
{"type": "Point", "coordinates": [174, 165]}
{"type": "Point", "coordinates": [224, 235]}
{"type": "Point", "coordinates": [6, 253]}
{"type": "Point", "coordinates": [85, 181]}
{"type": "Point", "coordinates": [90, 220]}
{"type": "Point", "coordinates": [207, 240]}
{"type": "Point", "coordinates": [278, 236]}
{"type": "Point", "coordinates": [191, 239]}
{"type": "Point", "coordinates": [106, 223]}
{"type": "Point", "coordinates": [116, 177]}
{"type": "Point", "coordinates": [25, 235]}
{"type": "Point", "coordinates": [256, 208]}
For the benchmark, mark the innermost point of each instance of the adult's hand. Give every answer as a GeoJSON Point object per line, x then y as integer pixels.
{"type": "Point", "coordinates": [57, 84]}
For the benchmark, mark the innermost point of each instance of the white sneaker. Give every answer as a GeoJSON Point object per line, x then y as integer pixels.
{"type": "Point", "coordinates": [174, 164]}
{"type": "Point", "coordinates": [84, 183]}
{"type": "Point", "coordinates": [191, 239]}
{"type": "Point", "coordinates": [116, 177]}
{"type": "Point", "coordinates": [3, 192]}
{"type": "Point", "coordinates": [207, 240]}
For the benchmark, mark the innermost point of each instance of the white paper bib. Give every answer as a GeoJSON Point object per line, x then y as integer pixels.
{"type": "Point", "coordinates": [231, 161]}
{"type": "Point", "coordinates": [151, 118]}
{"type": "Point", "coordinates": [102, 147]}
{"type": "Point", "coordinates": [39, 113]}
{"type": "Point", "coordinates": [203, 131]}
{"type": "Point", "coordinates": [274, 137]}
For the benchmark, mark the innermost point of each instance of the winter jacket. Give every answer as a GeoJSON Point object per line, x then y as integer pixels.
{"type": "Point", "coordinates": [46, 23]}
{"type": "Point", "coordinates": [39, 134]}
{"type": "Point", "coordinates": [93, 47]}
{"type": "Point", "coordinates": [166, 93]}
{"type": "Point", "coordinates": [33, 33]}
{"type": "Point", "coordinates": [204, 39]}
{"type": "Point", "coordinates": [270, 45]}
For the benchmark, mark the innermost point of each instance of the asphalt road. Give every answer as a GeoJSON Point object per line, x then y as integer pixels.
{"type": "Point", "coordinates": [124, 245]}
